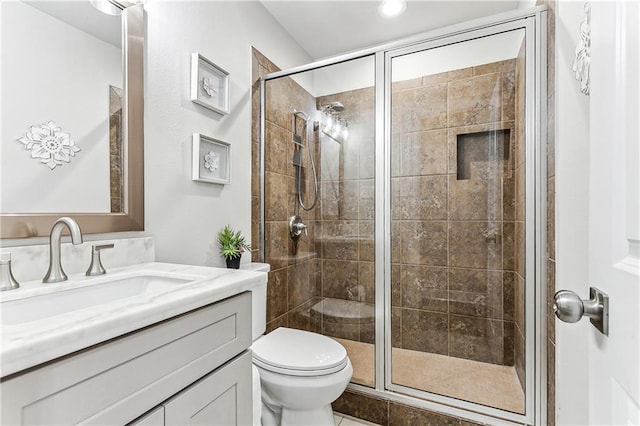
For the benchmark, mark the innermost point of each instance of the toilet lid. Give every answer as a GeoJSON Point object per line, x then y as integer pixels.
{"type": "Point", "coordinates": [298, 353]}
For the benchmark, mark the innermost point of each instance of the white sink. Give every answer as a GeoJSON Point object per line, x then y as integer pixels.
{"type": "Point", "coordinates": [41, 322]}
{"type": "Point", "coordinates": [97, 292]}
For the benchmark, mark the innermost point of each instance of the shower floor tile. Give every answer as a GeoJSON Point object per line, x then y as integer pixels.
{"type": "Point", "coordinates": [483, 383]}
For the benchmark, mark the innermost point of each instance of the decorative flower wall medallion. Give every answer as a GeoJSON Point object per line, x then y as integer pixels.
{"type": "Point", "coordinates": [208, 86]}
{"type": "Point", "coordinates": [212, 161]}
{"type": "Point", "coordinates": [582, 62]}
{"type": "Point", "coordinates": [48, 144]}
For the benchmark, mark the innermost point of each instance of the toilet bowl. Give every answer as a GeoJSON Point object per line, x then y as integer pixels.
{"type": "Point", "coordinates": [297, 374]}
{"type": "Point", "coordinates": [301, 374]}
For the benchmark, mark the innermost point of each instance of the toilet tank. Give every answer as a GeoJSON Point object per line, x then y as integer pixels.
{"type": "Point", "coordinates": [258, 300]}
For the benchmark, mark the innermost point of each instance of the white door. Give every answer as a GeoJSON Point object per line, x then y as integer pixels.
{"type": "Point", "coordinates": [610, 383]}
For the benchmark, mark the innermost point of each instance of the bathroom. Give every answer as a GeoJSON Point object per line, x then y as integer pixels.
{"type": "Point", "coordinates": [182, 217]}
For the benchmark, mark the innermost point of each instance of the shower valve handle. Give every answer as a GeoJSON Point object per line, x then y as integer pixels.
{"type": "Point", "coordinates": [296, 227]}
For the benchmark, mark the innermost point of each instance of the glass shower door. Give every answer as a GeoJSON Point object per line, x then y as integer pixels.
{"type": "Point", "coordinates": [319, 167]}
{"type": "Point", "coordinates": [457, 224]}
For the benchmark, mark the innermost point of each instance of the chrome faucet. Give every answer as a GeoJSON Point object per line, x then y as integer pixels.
{"type": "Point", "coordinates": [55, 273]}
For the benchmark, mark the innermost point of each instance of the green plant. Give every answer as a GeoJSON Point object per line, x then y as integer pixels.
{"type": "Point", "coordinates": [232, 243]}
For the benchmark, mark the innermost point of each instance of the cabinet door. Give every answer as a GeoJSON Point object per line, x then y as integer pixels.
{"type": "Point", "coordinates": [154, 417]}
{"type": "Point", "coordinates": [223, 397]}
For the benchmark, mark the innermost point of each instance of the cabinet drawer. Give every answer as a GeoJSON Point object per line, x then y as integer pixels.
{"type": "Point", "coordinates": [115, 382]}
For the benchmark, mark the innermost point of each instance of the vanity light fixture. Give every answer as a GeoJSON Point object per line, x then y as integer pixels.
{"type": "Point", "coordinates": [392, 8]}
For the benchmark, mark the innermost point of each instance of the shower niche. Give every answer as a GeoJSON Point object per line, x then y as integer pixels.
{"type": "Point", "coordinates": [484, 152]}
{"type": "Point", "coordinates": [415, 256]}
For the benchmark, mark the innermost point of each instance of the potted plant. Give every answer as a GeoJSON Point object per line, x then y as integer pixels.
{"type": "Point", "coordinates": [232, 245]}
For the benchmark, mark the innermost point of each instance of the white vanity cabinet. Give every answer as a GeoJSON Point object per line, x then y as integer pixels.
{"type": "Point", "coordinates": [183, 368]}
{"type": "Point", "coordinates": [221, 398]}
{"type": "Point", "coordinates": [154, 417]}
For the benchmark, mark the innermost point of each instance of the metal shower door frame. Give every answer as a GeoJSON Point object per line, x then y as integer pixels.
{"type": "Point", "coordinates": [535, 224]}
{"type": "Point", "coordinates": [534, 22]}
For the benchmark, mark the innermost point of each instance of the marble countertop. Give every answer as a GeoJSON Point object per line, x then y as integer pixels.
{"type": "Point", "coordinates": [28, 344]}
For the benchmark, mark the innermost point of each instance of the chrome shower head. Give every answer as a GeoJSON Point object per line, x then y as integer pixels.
{"type": "Point", "coordinates": [337, 106]}
{"type": "Point", "coordinates": [334, 106]}
{"type": "Point", "coordinates": [331, 122]}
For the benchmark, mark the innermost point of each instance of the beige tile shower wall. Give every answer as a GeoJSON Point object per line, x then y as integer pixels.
{"type": "Point", "coordinates": [291, 289]}
{"type": "Point", "coordinates": [346, 219]}
{"type": "Point", "coordinates": [456, 252]}
{"type": "Point", "coordinates": [455, 247]}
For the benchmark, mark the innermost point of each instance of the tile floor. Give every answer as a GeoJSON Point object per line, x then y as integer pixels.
{"type": "Point", "coordinates": [488, 384]}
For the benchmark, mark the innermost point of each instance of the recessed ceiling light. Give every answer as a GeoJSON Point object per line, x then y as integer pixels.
{"type": "Point", "coordinates": [392, 8]}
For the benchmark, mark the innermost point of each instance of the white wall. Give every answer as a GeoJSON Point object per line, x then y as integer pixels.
{"type": "Point", "coordinates": [359, 74]}
{"type": "Point", "coordinates": [480, 51]}
{"type": "Point", "coordinates": [343, 77]}
{"type": "Point", "coordinates": [53, 71]}
{"type": "Point", "coordinates": [184, 216]}
{"type": "Point", "coordinates": [572, 184]}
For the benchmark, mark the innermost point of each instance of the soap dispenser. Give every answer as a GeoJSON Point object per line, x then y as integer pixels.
{"type": "Point", "coordinates": [7, 282]}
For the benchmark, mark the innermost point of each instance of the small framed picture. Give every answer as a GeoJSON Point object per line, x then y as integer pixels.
{"type": "Point", "coordinates": [211, 160]}
{"type": "Point", "coordinates": [209, 84]}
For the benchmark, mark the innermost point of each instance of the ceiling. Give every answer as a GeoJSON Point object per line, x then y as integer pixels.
{"type": "Point", "coordinates": [330, 27]}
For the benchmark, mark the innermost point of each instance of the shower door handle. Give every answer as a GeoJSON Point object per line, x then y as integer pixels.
{"type": "Point", "coordinates": [568, 307]}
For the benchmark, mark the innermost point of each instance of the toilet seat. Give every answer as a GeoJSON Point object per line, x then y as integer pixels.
{"type": "Point", "coordinates": [298, 353]}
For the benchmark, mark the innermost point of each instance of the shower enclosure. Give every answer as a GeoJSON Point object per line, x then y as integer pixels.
{"type": "Point", "coordinates": [400, 207]}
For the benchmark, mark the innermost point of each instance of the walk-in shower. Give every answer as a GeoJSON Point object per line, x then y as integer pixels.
{"type": "Point", "coordinates": [422, 253]}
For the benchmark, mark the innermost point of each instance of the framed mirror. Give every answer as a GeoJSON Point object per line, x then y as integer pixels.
{"type": "Point", "coordinates": [64, 154]}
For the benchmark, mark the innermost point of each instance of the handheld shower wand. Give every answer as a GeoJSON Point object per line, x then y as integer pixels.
{"type": "Point", "coordinates": [297, 138]}
{"type": "Point", "coordinates": [297, 157]}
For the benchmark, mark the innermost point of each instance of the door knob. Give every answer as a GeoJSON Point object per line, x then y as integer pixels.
{"type": "Point", "coordinates": [568, 307]}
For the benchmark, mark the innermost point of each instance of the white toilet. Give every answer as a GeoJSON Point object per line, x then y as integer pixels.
{"type": "Point", "coordinates": [300, 375]}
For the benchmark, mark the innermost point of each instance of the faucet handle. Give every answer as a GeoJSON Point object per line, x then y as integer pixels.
{"type": "Point", "coordinates": [96, 267]}
{"type": "Point", "coordinates": [7, 282]}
